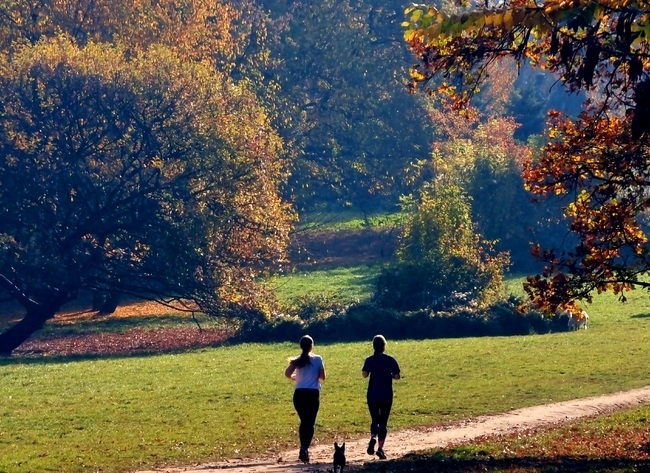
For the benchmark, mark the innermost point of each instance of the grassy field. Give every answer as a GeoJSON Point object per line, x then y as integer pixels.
{"type": "Point", "coordinates": [349, 220]}
{"type": "Point", "coordinates": [124, 413]}
{"type": "Point", "coordinates": [340, 285]}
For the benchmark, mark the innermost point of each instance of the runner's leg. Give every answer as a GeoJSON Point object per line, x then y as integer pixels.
{"type": "Point", "coordinates": [307, 403]}
{"type": "Point", "coordinates": [382, 422]}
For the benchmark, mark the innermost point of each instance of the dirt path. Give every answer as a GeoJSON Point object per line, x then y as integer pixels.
{"type": "Point", "coordinates": [406, 441]}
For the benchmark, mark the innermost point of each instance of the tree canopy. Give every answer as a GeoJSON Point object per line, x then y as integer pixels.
{"type": "Point", "coordinates": [600, 158]}
{"type": "Point", "coordinates": [125, 167]}
{"type": "Point", "coordinates": [343, 105]}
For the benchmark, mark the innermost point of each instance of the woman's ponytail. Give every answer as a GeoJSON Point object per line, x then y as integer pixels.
{"type": "Point", "coordinates": [306, 344]}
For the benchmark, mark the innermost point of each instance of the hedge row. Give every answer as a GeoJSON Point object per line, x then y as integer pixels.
{"type": "Point", "coordinates": [363, 321]}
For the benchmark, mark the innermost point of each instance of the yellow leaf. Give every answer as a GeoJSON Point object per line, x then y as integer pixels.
{"type": "Point", "coordinates": [508, 20]}
{"type": "Point", "coordinates": [417, 74]}
{"type": "Point", "coordinates": [408, 10]}
{"type": "Point", "coordinates": [410, 35]}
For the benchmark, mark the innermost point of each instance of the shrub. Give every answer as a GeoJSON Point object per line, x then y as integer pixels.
{"type": "Point", "coordinates": [441, 261]}
{"type": "Point", "coordinates": [363, 321]}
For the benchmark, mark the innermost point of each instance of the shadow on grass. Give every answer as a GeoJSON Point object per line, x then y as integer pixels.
{"type": "Point", "coordinates": [641, 316]}
{"type": "Point", "coordinates": [109, 324]}
{"type": "Point", "coordinates": [440, 461]}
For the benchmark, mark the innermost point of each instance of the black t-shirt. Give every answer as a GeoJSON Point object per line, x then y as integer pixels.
{"type": "Point", "coordinates": [381, 367]}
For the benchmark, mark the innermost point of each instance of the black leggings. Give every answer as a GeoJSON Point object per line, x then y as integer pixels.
{"type": "Point", "coordinates": [306, 402]}
{"type": "Point", "coordinates": [379, 412]}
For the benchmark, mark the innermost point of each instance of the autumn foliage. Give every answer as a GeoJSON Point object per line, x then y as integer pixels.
{"type": "Point", "coordinates": [598, 160]}
{"type": "Point", "coordinates": [131, 164]}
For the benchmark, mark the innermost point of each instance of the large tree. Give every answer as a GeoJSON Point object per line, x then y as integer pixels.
{"type": "Point", "coordinates": [197, 29]}
{"type": "Point", "coordinates": [601, 158]}
{"type": "Point", "coordinates": [148, 175]}
{"type": "Point", "coordinates": [481, 156]}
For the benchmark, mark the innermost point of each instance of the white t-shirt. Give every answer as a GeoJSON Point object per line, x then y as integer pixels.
{"type": "Point", "coordinates": [307, 376]}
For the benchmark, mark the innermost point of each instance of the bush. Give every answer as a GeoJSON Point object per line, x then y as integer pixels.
{"type": "Point", "coordinates": [507, 320]}
{"type": "Point", "coordinates": [441, 262]}
{"type": "Point", "coordinates": [363, 321]}
{"type": "Point", "coordinates": [429, 285]}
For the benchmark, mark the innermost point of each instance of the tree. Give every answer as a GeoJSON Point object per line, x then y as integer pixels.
{"type": "Point", "coordinates": [599, 158]}
{"type": "Point", "coordinates": [480, 155]}
{"type": "Point", "coordinates": [441, 260]}
{"type": "Point", "coordinates": [146, 175]}
{"type": "Point", "coordinates": [196, 29]}
{"type": "Point", "coordinates": [227, 35]}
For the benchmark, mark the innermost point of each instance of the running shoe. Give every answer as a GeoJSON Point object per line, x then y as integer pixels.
{"type": "Point", "coordinates": [381, 454]}
{"type": "Point", "coordinates": [303, 455]}
{"type": "Point", "coordinates": [371, 446]}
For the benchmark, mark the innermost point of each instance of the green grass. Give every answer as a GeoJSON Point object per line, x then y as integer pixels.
{"type": "Point", "coordinates": [340, 285]}
{"type": "Point", "coordinates": [349, 220]}
{"type": "Point", "coordinates": [343, 285]}
{"type": "Point", "coordinates": [119, 414]}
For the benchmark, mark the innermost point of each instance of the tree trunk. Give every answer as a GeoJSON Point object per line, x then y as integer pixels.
{"type": "Point", "coordinates": [106, 302]}
{"type": "Point", "coordinates": [33, 321]}
{"type": "Point", "coordinates": [98, 300]}
{"type": "Point", "coordinates": [111, 301]}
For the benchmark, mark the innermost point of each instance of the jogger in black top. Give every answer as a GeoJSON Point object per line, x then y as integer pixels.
{"type": "Point", "coordinates": [382, 369]}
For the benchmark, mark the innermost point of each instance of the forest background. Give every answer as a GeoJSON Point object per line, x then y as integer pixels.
{"type": "Point", "coordinates": [287, 111]}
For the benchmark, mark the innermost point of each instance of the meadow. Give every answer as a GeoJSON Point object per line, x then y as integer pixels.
{"type": "Point", "coordinates": [117, 414]}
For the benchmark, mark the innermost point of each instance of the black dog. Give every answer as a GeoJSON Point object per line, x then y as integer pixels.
{"type": "Point", "coordinates": [339, 457]}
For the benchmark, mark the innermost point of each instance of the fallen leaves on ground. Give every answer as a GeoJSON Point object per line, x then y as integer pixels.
{"type": "Point", "coordinates": [573, 449]}
{"type": "Point", "coordinates": [130, 342]}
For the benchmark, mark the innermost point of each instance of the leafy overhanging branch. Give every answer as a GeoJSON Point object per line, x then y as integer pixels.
{"type": "Point", "coordinates": [599, 159]}
{"type": "Point", "coordinates": [583, 41]}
